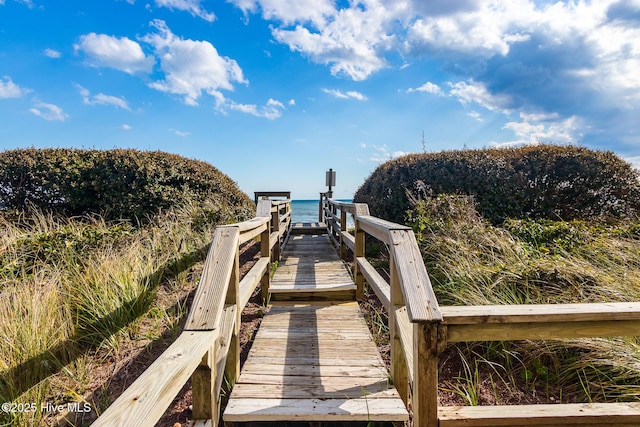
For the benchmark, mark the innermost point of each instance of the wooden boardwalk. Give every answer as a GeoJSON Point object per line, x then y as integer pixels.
{"type": "Point", "coordinates": [314, 360]}
{"type": "Point", "coordinates": [310, 269]}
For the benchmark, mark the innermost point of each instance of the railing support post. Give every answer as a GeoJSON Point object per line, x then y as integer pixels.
{"type": "Point", "coordinates": [424, 396]}
{"type": "Point", "coordinates": [275, 228]}
{"type": "Point", "coordinates": [399, 370]}
{"type": "Point", "coordinates": [232, 368]}
{"type": "Point", "coordinates": [359, 252]}
{"type": "Point", "coordinates": [205, 402]}
{"type": "Point", "coordinates": [343, 227]}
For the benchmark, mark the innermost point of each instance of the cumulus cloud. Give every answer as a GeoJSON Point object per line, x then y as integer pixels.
{"type": "Point", "coordinates": [312, 11]}
{"type": "Point", "coordinates": [382, 154]}
{"type": "Point", "coordinates": [351, 94]}
{"type": "Point", "coordinates": [574, 58]}
{"type": "Point", "coordinates": [50, 112]}
{"type": "Point", "coordinates": [180, 133]}
{"type": "Point", "coordinates": [271, 110]}
{"type": "Point", "coordinates": [102, 99]}
{"type": "Point", "coordinates": [120, 53]}
{"type": "Point", "coordinates": [191, 67]}
{"type": "Point", "coordinates": [8, 89]}
{"type": "Point", "coordinates": [52, 53]}
{"type": "Point", "coordinates": [352, 40]}
{"type": "Point", "coordinates": [192, 6]}
{"type": "Point", "coordinates": [429, 88]}
{"type": "Point", "coordinates": [126, 127]}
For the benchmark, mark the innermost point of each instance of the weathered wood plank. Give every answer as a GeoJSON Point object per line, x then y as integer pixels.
{"type": "Point", "coordinates": [144, 402]}
{"type": "Point", "coordinates": [379, 228]}
{"type": "Point", "coordinates": [307, 352]}
{"type": "Point", "coordinates": [209, 300]}
{"type": "Point", "coordinates": [541, 331]}
{"type": "Point", "coordinates": [375, 281]}
{"type": "Point", "coordinates": [251, 279]}
{"type": "Point", "coordinates": [580, 414]}
{"type": "Point", "coordinates": [421, 302]}
{"type": "Point", "coordinates": [405, 332]}
{"type": "Point", "coordinates": [544, 313]}
{"type": "Point", "coordinates": [360, 409]}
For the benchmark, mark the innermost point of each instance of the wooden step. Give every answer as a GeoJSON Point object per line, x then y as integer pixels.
{"type": "Point", "coordinates": [314, 363]}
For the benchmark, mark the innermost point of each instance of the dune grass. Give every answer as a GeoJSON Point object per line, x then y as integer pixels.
{"type": "Point", "coordinates": [471, 262]}
{"type": "Point", "coordinates": [76, 291]}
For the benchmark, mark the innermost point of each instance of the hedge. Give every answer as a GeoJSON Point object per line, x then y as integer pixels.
{"type": "Point", "coordinates": [119, 183]}
{"type": "Point", "coordinates": [540, 182]}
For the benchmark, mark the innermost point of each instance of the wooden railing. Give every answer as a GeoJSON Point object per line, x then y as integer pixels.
{"type": "Point", "coordinates": [208, 349]}
{"type": "Point", "coordinates": [420, 329]}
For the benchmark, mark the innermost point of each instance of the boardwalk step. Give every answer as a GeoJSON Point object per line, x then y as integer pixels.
{"type": "Point", "coordinates": [314, 363]}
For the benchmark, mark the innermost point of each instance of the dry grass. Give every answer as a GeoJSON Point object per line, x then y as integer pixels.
{"type": "Point", "coordinates": [78, 293]}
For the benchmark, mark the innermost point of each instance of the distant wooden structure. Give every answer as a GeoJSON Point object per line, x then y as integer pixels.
{"type": "Point", "coordinates": [313, 358]}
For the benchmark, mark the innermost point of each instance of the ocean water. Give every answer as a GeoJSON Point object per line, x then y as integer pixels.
{"type": "Point", "coordinates": [307, 210]}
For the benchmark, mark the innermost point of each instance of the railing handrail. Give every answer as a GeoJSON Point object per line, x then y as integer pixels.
{"type": "Point", "coordinates": [415, 348]}
{"type": "Point", "coordinates": [209, 343]}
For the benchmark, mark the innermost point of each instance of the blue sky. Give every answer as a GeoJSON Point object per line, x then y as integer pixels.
{"type": "Point", "coordinates": [276, 92]}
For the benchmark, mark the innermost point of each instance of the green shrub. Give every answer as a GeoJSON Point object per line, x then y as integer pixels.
{"type": "Point", "coordinates": [119, 184]}
{"type": "Point", "coordinates": [538, 182]}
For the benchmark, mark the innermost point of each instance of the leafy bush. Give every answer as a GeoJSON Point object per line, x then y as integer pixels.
{"type": "Point", "coordinates": [539, 182]}
{"type": "Point", "coordinates": [119, 184]}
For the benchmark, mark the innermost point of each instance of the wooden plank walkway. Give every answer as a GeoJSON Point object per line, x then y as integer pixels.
{"type": "Point", "coordinates": [313, 361]}
{"type": "Point", "coordinates": [310, 269]}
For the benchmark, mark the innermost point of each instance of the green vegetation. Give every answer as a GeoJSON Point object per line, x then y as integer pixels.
{"type": "Point", "coordinates": [471, 262]}
{"type": "Point", "coordinates": [117, 184]}
{"type": "Point", "coordinates": [80, 295]}
{"type": "Point", "coordinates": [538, 182]}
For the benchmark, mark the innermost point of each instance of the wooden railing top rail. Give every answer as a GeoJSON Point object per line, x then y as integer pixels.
{"type": "Point", "coordinates": [419, 298]}
{"type": "Point", "coordinates": [214, 317]}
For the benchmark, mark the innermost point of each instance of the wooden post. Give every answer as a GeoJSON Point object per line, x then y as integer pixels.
{"type": "Point", "coordinates": [343, 227]}
{"type": "Point", "coordinates": [232, 368]}
{"type": "Point", "coordinates": [424, 396]}
{"type": "Point", "coordinates": [399, 371]}
{"type": "Point", "coordinates": [204, 397]}
{"type": "Point", "coordinates": [359, 252]}
{"type": "Point", "coordinates": [320, 208]}
{"type": "Point", "coordinates": [275, 228]}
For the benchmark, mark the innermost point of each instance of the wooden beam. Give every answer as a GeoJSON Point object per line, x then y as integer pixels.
{"type": "Point", "coordinates": [541, 331]}
{"type": "Point", "coordinates": [422, 305]}
{"type": "Point", "coordinates": [145, 401]}
{"type": "Point", "coordinates": [378, 228]}
{"type": "Point", "coordinates": [540, 313]}
{"type": "Point", "coordinates": [208, 304]}
{"type": "Point", "coordinates": [375, 281]}
{"type": "Point", "coordinates": [251, 280]}
{"type": "Point", "coordinates": [576, 414]}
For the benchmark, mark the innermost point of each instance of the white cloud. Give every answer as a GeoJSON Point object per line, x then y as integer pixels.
{"type": "Point", "coordinates": [290, 12]}
{"type": "Point", "coordinates": [292, 102]}
{"type": "Point", "coordinates": [352, 94]}
{"type": "Point", "coordinates": [8, 89]}
{"type": "Point", "coordinates": [192, 6]}
{"type": "Point", "coordinates": [382, 154]}
{"type": "Point", "coordinates": [352, 40]}
{"type": "Point", "coordinates": [271, 110]}
{"type": "Point", "coordinates": [180, 133]}
{"type": "Point", "coordinates": [52, 53]}
{"type": "Point", "coordinates": [126, 127]}
{"type": "Point", "coordinates": [477, 92]}
{"type": "Point", "coordinates": [429, 88]}
{"type": "Point", "coordinates": [49, 112]}
{"type": "Point", "coordinates": [120, 53]}
{"type": "Point", "coordinates": [191, 67]}
{"type": "Point", "coordinates": [102, 99]}
{"type": "Point", "coordinates": [537, 128]}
